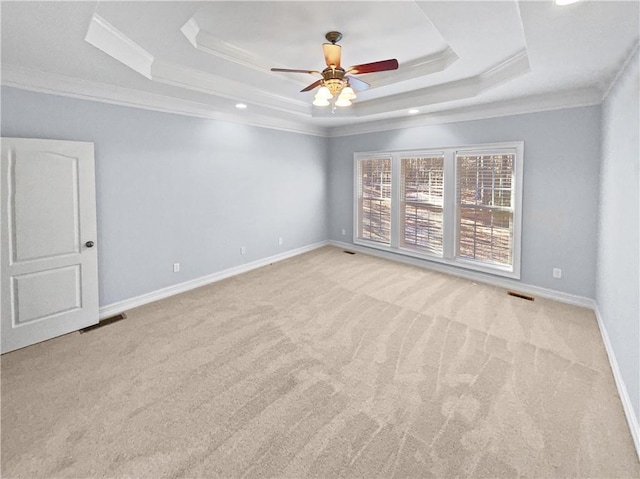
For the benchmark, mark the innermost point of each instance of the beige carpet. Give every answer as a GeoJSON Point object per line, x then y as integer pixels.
{"type": "Point", "coordinates": [324, 365]}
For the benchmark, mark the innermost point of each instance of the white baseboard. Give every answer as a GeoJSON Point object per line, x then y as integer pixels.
{"type": "Point", "coordinates": [627, 405]}
{"type": "Point", "coordinates": [122, 306]}
{"type": "Point", "coordinates": [473, 276]}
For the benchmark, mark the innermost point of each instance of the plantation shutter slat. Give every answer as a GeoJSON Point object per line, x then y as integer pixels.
{"type": "Point", "coordinates": [422, 196]}
{"type": "Point", "coordinates": [485, 209]}
{"type": "Point", "coordinates": [374, 199]}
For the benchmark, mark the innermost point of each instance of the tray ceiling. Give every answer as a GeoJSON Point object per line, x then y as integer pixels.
{"type": "Point", "coordinates": [202, 58]}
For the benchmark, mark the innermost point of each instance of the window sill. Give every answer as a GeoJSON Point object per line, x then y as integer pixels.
{"type": "Point", "coordinates": [470, 265]}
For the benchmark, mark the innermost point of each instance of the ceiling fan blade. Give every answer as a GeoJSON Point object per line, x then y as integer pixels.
{"type": "Point", "coordinates": [380, 66]}
{"type": "Point", "coordinates": [290, 70]}
{"type": "Point", "coordinates": [313, 85]}
{"type": "Point", "coordinates": [357, 84]}
{"type": "Point", "coordinates": [332, 54]}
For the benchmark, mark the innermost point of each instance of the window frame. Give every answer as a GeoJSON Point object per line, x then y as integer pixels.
{"type": "Point", "coordinates": [450, 215]}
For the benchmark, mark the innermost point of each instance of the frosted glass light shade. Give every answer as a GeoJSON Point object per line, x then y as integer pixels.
{"type": "Point", "coordinates": [348, 93]}
{"type": "Point", "coordinates": [342, 102]}
{"type": "Point", "coordinates": [324, 92]}
{"type": "Point", "coordinates": [320, 101]}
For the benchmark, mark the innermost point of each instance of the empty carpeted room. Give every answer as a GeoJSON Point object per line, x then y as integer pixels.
{"type": "Point", "coordinates": [347, 239]}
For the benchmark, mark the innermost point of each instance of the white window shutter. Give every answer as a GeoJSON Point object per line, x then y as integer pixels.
{"type": "Point", "coordinates": [485, 206]}
{"type": "Point", "coordinates": [459, 206]}
{"type": "Point", "coordinates": [374, 199]}
{"type": "Point", "coordinates": [421, 203]}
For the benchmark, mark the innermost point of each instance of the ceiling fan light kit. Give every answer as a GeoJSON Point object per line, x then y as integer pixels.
{"type": "Point", "coordinates": [324, 93]}
{"type": "Point", "coordinates": [335, 83]}
{"type": "Point", "coordinates": [320, 101]}
{"type": "Point", "coordinates": [341, 101]}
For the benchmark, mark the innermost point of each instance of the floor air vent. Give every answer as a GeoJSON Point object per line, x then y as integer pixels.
{"type": "Point", "coordinates": [349, 252]}
{"type": "Point", "coordinates": [520, 295]}
{"type": "Point", "coordinates": [104, 322]}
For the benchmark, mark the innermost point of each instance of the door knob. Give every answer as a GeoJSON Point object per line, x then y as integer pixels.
{"type": "Point", "coordinates": [89, 244]}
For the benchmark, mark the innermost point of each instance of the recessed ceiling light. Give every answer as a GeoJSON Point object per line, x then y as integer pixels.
{"type": "Point", "coordinates": [240, 106]}
{"type": "Point", "coordinates": [562, 3]}
{"type": "Point", "coordinates": [413, 111]}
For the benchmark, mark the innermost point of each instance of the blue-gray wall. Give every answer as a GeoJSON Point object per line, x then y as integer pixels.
{"type": "Point", "coordinates": [560, 192]}
{"type": "Point", "coordinates": [174, 188]}
{"type": "Point", "coordinates": [618, 277]}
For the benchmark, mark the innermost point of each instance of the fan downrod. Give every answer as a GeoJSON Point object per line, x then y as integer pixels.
{"type": "Point", "coordinates": [333, 37]}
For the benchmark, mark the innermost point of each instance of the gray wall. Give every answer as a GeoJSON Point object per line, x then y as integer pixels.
{"type": "Point", "coordinates": [173, 188]}
{"type": "Point", "coordinates": [179, 189]}
{"type": "Point", "coordinates": [560, 193]}
{"type": "Point", "coordinates": [618, 281]}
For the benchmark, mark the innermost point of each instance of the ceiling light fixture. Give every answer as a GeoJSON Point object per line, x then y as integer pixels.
{"type": "Point", "coordinates": [241, 106]}
{"type": "Point", "coordinates": [562, 3]}
{"type": "Point", "coordinates": [334, 84]}
{"type": "Point", "coordinates": [413, 111]}
{"type": "Point", "coordinates": [336, 88]}
{"type": "Point", "coordinates": [317, 101]}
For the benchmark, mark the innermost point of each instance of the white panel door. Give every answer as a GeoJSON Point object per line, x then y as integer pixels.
{"type": "Point", "coordinates": [49, 262]}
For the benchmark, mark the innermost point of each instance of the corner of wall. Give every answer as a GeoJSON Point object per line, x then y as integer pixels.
{"type": "Point", "coordinates": [618, 317]}
{"type": "Point", "coordinates": [327, 178]}
{"type": "Point", "coordinates": [627, 401]}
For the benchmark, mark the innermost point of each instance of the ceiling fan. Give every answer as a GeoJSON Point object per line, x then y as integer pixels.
{"type": "Point", "coordinates": [336, 81]}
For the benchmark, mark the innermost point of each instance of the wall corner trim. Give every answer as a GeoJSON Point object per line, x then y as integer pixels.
{"type": "Point", "coordinates": [127, 304]}
{"type": "Point", "coordinates": [629, 412]}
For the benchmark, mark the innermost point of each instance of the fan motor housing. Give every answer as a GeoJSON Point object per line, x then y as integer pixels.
{"type": "Point", "coordinates": [333, 73]}
{"type": "Point", "coordinates": [334, 79]}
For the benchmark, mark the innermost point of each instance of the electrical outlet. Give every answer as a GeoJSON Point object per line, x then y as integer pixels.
{"type": "Point", "coordinates": [557, 273]}
{"type": "Point", "coordinates": [242, 250]}
{"type": "Point", "coordinates": [176, 267]}
{"type": "Point", "coordinates": [344, 232]}
{"type": "Point", "coordinates": [280, 241]}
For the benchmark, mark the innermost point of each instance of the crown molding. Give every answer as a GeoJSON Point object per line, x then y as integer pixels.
{"type": "Point", "coordinates": [117, 45]}
{"type": "Point", "coordinates": [33, 80]}
{"type": "Point", "coordinates": [207, 42]}
{"type": "Point", "coordinates": [419, 67]}
{"type": "Point", "coordinates": [107, 38]}
{"type": "Point", "coordinates": [509, 69]}
{"type": "Point", "coordinates": [519, 106]}
{"type": "Point", "coordinates": [104, 36]}
{"type": "Point", "coordinates": [110, 40]}
{"type": "Point", "coordinates": [215, 85]}
{"type": "Point", "coordinates": [635, 51]}
{"type": "Point", "coordinates": [513, 67]}
{"type": "Point", "coordinates": [41, 82]}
